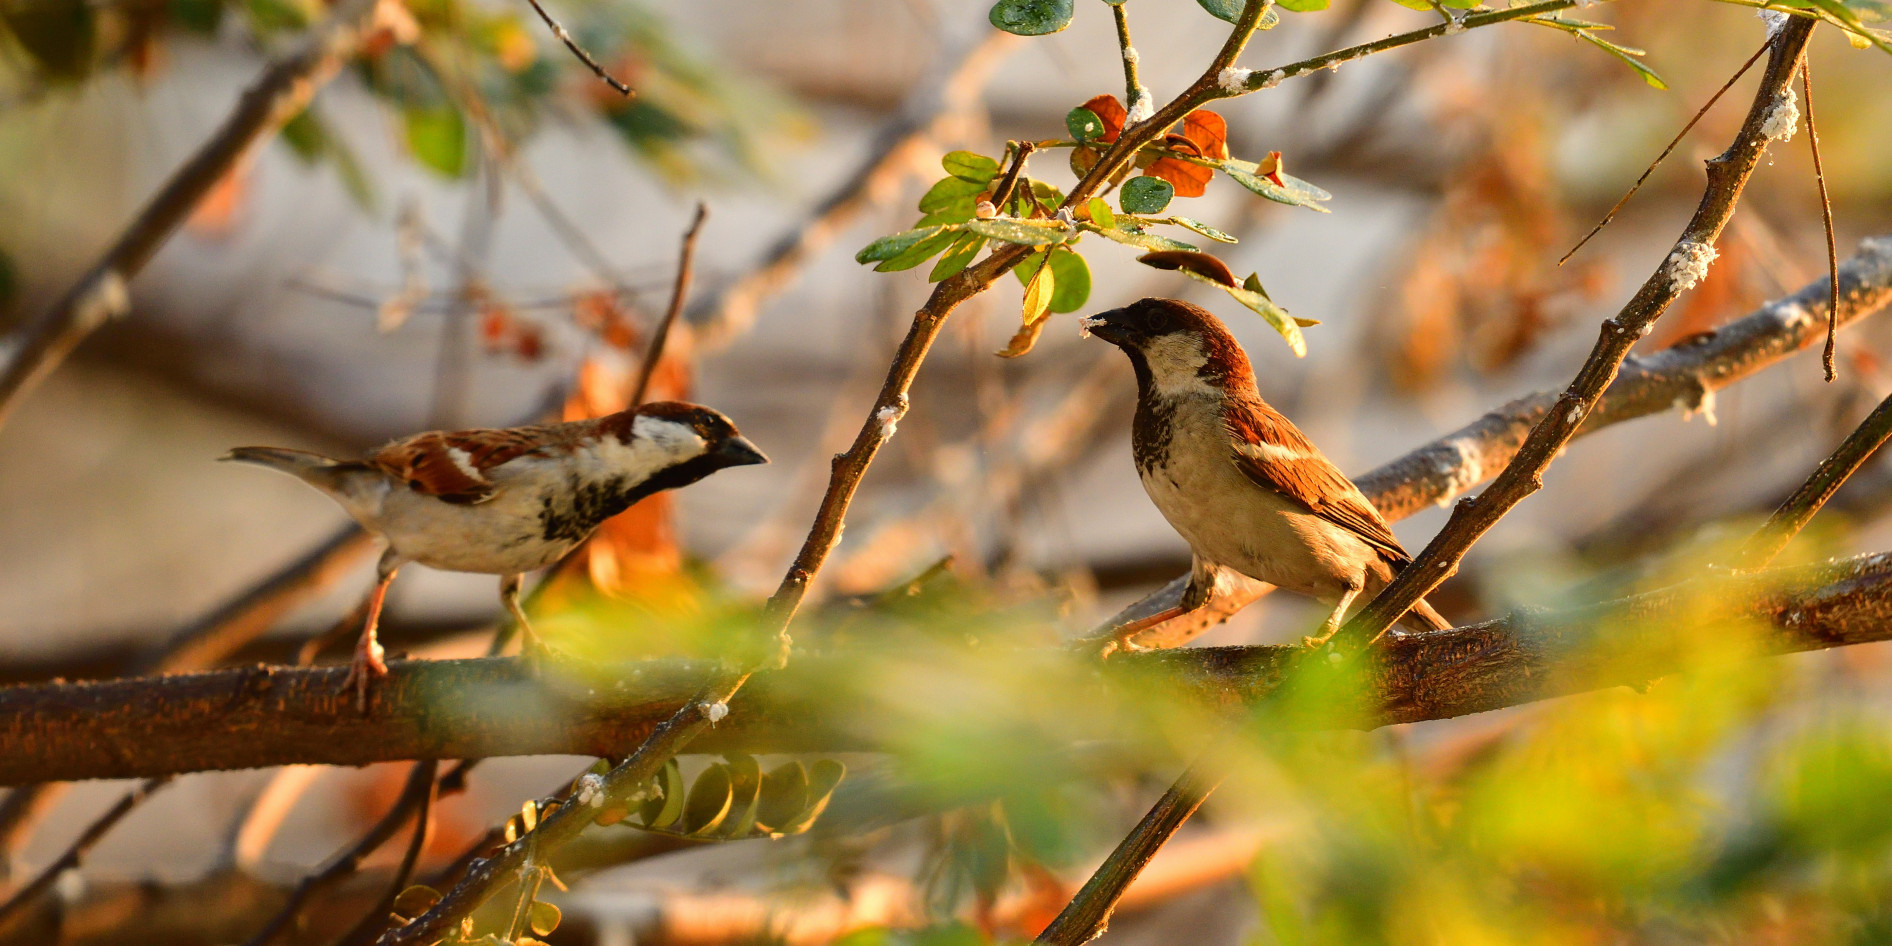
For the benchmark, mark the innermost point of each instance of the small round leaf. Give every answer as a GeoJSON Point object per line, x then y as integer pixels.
{"type": "Point", "coordinates": [1031, 17]}
{"type": "Point", "coordinates": [1145, 195]}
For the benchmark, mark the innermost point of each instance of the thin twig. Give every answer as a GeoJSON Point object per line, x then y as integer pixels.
{"type": "Point", "coordinates": [654, 352]}
{"type": "Point", "coordinates": [1471, 519]}
{"type": "Point", "coordinates": [377, 919]}
{"type": "Point", "coordinates": [1133, 89]}
{"type": "Point", "coordinates": [419, 786]}
{"type": "Point", "coordinates": [558, 30]}
{"type": "Point", "coordinates": [1084, 918]}
{"type": "Point", "coordinates": [1826, 217]}
{"type": "Point", "coordinates": [1670, 149]}
{"type": "Point", "coordinates": [30, 893]}
{"type": "Point", "coordinates": [101, 295]}
{"type": "Point", "coordinates": [1799, 509]}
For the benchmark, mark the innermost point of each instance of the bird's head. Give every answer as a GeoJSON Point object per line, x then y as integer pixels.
{"type": "Point", "coordinates": [1175, 347]}
{"type": "Point", "coordinates": [686, 435]}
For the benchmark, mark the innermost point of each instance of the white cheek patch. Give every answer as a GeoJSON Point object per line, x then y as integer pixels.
{"type": "Point", "coordinates": [667, 442]}
{"type": "Point", "coordinates": [1175, 361]}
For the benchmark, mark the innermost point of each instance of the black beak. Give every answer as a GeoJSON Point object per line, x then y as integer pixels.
{"type": "Point", "coordinates": [738, 451]}
{"type": "Point", "coordinates": [1103, 327]}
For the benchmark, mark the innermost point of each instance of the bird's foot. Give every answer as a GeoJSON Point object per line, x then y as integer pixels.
{"type": "Point", "coordinates": [1321, 639]}
{"type": "Point", "coordinates": [369, 665]}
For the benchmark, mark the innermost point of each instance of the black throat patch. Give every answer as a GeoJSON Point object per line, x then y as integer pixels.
{"type": "Point", "coordinates": [571, 514]}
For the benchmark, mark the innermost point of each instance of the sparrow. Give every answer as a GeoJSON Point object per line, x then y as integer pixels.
{"type": "Point", "coordinates": [1244, 487]}
{"type": "Point", "coordinates": [507, 501]}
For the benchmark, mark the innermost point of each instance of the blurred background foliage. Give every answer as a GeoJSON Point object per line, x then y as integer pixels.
{"type": "Point", "coordinates": [1738, 802]}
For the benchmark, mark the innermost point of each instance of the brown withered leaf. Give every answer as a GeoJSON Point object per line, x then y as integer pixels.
{"type": "Point", "coordinates": [1023, 341]}
{"type": "Point", "coordinates": [1209, 131]}
{"type": "Point", "coordinates": [1190, 180]}
{"type": "Point", "coordinates": [1202, 264]}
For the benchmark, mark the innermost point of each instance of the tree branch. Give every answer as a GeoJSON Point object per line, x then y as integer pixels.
{"type": "Point", "coordinates": [444, 709]}
{"type": "Point", "coordinates": [654, 351]}
{"type": "Point", "coordinates": [1826, 479]}
{"type": "Point", "coordinates": [283, 89]}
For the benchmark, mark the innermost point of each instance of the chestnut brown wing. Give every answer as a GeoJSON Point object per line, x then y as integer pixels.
{"type": "Point", "coordinates": [452, 465]}
{"type": "Point", "coordinates": [1281, 458]}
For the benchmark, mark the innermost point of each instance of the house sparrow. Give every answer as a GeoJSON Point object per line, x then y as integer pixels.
{"type": "Point", "coordinates": [1243, 486]}
{"type": "Point", "coordinates": [505, 502]}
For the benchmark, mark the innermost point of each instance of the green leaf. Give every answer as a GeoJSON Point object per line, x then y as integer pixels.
{"type": "Point", "coordinates": [437, 136]}
{"type": "Point", "coordinates": [1145, 195]}
{"type": "Point", "coordinates": [1017, 231]}
{"type": "Point", "coordinates": [1070, 275]}
{"type": "Point", "coordinates": [919, 252]}
{"type": "Point", "coordinates": [1083, 124]}
{"type": "Point", "coordinates": [313, 141]}
{"type": "Point", "coordinates": [949, 191]}
{"type": "Point", "coordinates": [198, 16]}
{"type": "Point", "coordinates": [1204, 229]}
{"type": "Point", "coordinates": [783, 796]}
{"type": "Point", "coordinates": [964, 249]}
{"type": "Point", "coordinates": [666, 808]}
{"type": "Point", "coordinates": [1139, 239]}
{"type": "Point", "coordinates": [823, 777]}
{"type": "Point", "coordinates": [1263, 306]}
{"type": "Point", "coordinates": [1074, 280]}
{"type": "Point", "coordinates": [1229, 10]}
{"type": "Point", "coordinates": [1627, 55]}
{"type": "Point", "coordinates": [1302, 6]}
{"type": "Point", "coordinates": [949, 216]}
{"type": "Point", "coordinates": [893, 244]}
{"type": "Point", "coordinates": [1039, 289]}
{"type": "Point", "coordinates": [968, 166]}
{"type": "Point", "coordinates": [543, 917]}
{"type": "Point", "coordinates": [1031, 17]}
{"type": "Point", "coordinates": [709, 802]}
{"type": "Point", "coordinates": [1291, 190]}
{"type": "Point", "coordinates": [745, 782]}
{"type": "Point", "coordinates": [1101, 215]}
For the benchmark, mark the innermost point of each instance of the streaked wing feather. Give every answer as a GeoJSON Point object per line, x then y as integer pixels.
{"type": "Point", "coordinates": [452, 465]}
{"type": "Point", "coordinates": [1301, 473]}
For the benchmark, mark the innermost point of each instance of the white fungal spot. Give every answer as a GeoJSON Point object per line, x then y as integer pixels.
{"type": "Point", "coordinates": [1142, 106]}
{"type": "Point", "coordinates": [1783, 116]}
{"type": "Point", "coordinates": [591, 790]}
{"type": "Point", "coordinates": [1575, 414]}
{"type": "Point", "coordinates": [1647, 327]}
{"type": "Point", "coordinates": [1792, 315]}
{"type": "Point", "coordinates": [1462, 472]}
{"type": "Point", "coordinates": [105, 300]}
{"type": "Point", "coordinates": [1274, 78]}
{"type": "Point", "coordinates": [1687, 264]}
{"type": "Point", "coordinates": [889, 420]}
{"type": "Point", "coordinates": [1233, 78]}
{"type": "Point", "coordinates": [1455, 22]}
{"type": "Point", "coordinates": [1130, 55]}
{"type": "Point", "coordinates": [714, 711]}
{"type": "Point", "coordinates": [1774, 19]}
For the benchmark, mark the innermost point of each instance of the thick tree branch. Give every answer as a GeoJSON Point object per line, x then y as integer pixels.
{"type": "Point", "coordinates": [446, 709]}
{"type": "Point", "coordinates": [101, 295]}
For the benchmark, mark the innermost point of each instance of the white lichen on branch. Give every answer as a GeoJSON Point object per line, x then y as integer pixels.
{"type": "Point", "coordinates": [1233, 79]}
{"type": "Point", "coordinates": [1687, 264]}
{"type": "Point", "coordinates": [714, 712]}
{"type": "Point", "coordinates": [1463, 471]}
{"type": "Point", "coordinates": [1782, 118]}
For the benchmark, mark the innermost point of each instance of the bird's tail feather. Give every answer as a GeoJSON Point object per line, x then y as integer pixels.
{"type": "Point", "coordinates": [322, 472]}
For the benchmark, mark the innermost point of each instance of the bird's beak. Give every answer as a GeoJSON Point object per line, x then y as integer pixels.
{"type": "Point", "coordinates": [1100, 326]}
{"type": "Point", "coordinates": [738, 451]}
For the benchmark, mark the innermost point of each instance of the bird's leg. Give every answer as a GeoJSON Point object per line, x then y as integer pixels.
{"type": "Point", "coordinates": [1195, 595]}
{"type": "Point", "coordinates": [531, 645]}
{"type": "Point", "coordinates": [1331, 626]}
{"type": "Point", "coordinates": [369, 662]}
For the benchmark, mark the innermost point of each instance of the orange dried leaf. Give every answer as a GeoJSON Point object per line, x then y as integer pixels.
{"type": "Point", "coordinates": [1111, 112]}
{"type": "Point", "coordinates": [1271, 168]}
{"type": "Point", "coordinates": [1182, 145]}
{"type": "Point", "coordinates": [1202, 264]}
{"type": "Point", "coordinates": [1209, 131]}
{"type": "Point", "coordinates": [1190, 180]}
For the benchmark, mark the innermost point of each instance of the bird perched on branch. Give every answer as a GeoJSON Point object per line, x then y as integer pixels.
{"type": "Point", "coordinates": [508, 501]}
{"type": "Point", "coordinates": [1240, 482]}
